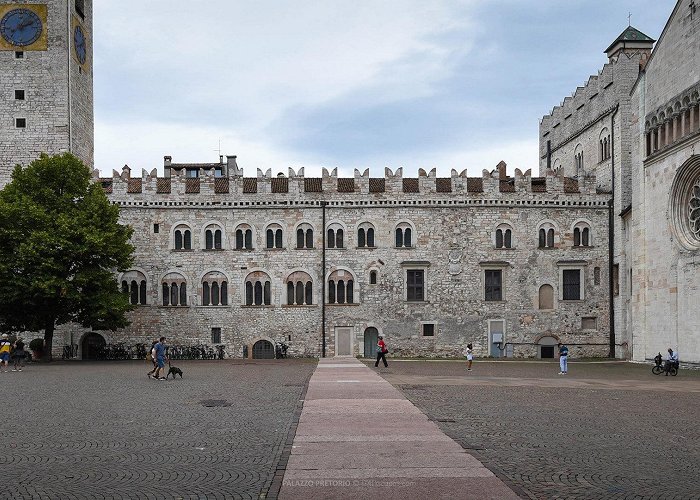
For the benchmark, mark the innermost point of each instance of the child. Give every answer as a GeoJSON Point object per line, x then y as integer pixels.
{"type": "Point", "coordinates": [470, 357]}
{"type": "Point", "coordinates": [18, 355]}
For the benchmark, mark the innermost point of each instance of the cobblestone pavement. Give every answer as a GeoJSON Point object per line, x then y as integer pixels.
{"type": "Point", "coordinates": [103, 430]}
{"type": "Point", "coordinates": [604, 431]}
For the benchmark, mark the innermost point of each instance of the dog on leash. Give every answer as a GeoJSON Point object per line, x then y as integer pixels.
{"type": "Point", "coordinates": [174, 370]}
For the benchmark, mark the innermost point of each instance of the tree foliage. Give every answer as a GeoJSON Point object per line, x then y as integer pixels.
{"type": "Point", "coordinates": [61, 246]}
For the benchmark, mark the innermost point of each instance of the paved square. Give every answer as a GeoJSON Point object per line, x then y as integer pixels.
{"type": "Point", "coordinates": [606, 430]}
{"type": "Point", "coordinates": [103, 430]}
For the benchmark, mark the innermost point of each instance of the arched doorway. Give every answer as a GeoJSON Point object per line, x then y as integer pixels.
{"type": "Point", "coordinates": [93, 345]}
{"type": "Point", "coordinates": [371, 337]}
{"type": "Point", "coordinates": [263, 349]}
{"type": "Point", "coordinates": [547, 347]}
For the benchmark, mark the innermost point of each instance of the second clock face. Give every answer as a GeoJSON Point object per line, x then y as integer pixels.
{"type": "Point", "coordinates": [21, 27]}
{"type": "Point", "coordinates": [80, 44]}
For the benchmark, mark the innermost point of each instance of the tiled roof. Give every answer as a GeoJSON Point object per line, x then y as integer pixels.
{"type": "Point", "coordinates": [279, 184]}
{"type": "Point", "coordinates": [570, 185]}
{"type": "Point", "coordinates": [346, 185]}
{"type": "Point", "coordinates": [221, 185]}
{"type": "Point", "coordinates": [163, 185]}
{"type": "Point", "coordinates": [106, 185]}
{"type": "Point", "coordinates": [443, 185]}
{"type": "Point", "coordinates": [134, 186]}
{"type": "Point", "coordinates": [539, 185]}
{"type": "Point", "coordinates": [377, 185]}
{"type": "Point", "coordinates": [410, 186]}
{"type": "Point", "coordinates": [475, 185]}
{"type": "Point", "coordinates": [631, 35]}
{"type": "Point", "coordinates": [192, 185]}
{"type": "Point", "coordinates": [506, 187]}
{"type": "Point", "coordinates": [313, 185]}
{"type": "Point", "coordinates": [250, 184]}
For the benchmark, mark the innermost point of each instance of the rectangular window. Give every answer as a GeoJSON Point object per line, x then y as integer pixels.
{"type": "Point", "coordinates": [19, 95]}
{"type": "Point", "coordinates": [19, 54]}
{"type": "Point", "coordinates": [156, 228]}
{"type": "Point", "coordinates": [572, 284]}
{"type": "Point", "coordinates": [216, 335]}
{"type": "Point", "coordinates": [588, 323]}
{"type": "Point", "coordinates": [192, 173]}
{"type": "Point", "coordinates": [20, 123]}
{"type": "Point", "coordinates": [493, 285]}
{"type": "Point", "coordinates": [428, 329]}
{"type": "Point", "coordinates": [218, 172]}
{"type": "Point", "coordinates": [415, 286]}
{"type": "Point", "coordinates": [596, 276]}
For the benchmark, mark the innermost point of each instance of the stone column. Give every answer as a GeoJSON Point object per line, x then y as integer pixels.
{"type": "Point", "coordinates": [683, 124]}
{"type": "Point", "coordinates": [667, 132]}
{"type": "Point", "coordinates": [674, 124]}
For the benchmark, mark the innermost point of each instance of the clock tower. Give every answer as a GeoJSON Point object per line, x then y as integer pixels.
{"type": "Point", "coordinates": [46, 101]}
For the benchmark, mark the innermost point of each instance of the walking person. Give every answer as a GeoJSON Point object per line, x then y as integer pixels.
{"type": "Point", "coordinates": [469, 354]}
{"type": "Point", "coordinates": [18, 355]}
{"type": "Point", "coordinates": [381, 352]}
{"type": "Point", "coordinates": [5, 347]}
{"type": "Point", "coordinates": [160, 359]}
{"type": "Point", "coordinates": [152, 358]}
{"type": "Point", "coordinates": [563, 355]}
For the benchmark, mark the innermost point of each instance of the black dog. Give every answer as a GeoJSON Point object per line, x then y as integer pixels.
{"type": "Point", "coordinates": [174, 370]}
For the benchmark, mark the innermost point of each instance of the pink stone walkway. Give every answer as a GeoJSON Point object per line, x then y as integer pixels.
{"type": "Point", "coordinates": [358, 437]}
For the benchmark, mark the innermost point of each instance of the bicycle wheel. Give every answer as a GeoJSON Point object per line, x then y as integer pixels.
{"type": "Point", "coordinates": [656, 369]}
{"type": "Point", "coordinates": [674, 371]}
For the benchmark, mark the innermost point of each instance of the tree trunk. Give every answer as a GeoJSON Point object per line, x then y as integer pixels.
{"type": "Point", "coordinates": [48, 340]}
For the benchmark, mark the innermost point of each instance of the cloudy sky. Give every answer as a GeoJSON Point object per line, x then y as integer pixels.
{"type": "Point", "coordinates": [348, 84]}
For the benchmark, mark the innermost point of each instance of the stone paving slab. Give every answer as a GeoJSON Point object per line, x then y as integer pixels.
{"type": "Point", "coordinates": [345, 448]}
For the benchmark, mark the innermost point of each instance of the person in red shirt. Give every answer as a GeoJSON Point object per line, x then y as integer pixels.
{"type": "Point", "coordinates": [381, 352]}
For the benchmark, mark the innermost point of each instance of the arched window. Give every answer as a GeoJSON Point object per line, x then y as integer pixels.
{"type": "Point", "coordinates": [341, 288]}
{"type": "Point", "coordinates": [305, 236]}
{"type": "Point", "coordinates": [213, 236]}
{"type": "Point", "coordinates": [504, 236]}
{"type": "Point", "coordinates": [299, 289]}
{"type": "Point", "coordinates": [546, 235]}
{"type": "Point", "coordinates": [273, 236]}
{"type": "Point", "coordinates": [582, 234]}
{"type": "Point", "coordinates": [373, 277]}
{"type": "Point", "coordinates": [134, 285]}
{"type": "Point", "coordinates": [244, 237]}
{"type": "Point", "coordinates": [403, 235]}
{"type": "Point", "coordinates": [546, 297]}
{"type": "Point", "coordinates": [335, 236]}
{"type": "Point", "coordinates": [604, 144]}
{"type": "Point", "coordinates": [174, 290]}
{"type": "Point", "coordinates": [214, 289]}
{"type": "Point", "coordinates": [258, 289]}
{"type": "Point", "coordinates": [183, 238]}
{"type": "Point", "coordinates": [365, 235]}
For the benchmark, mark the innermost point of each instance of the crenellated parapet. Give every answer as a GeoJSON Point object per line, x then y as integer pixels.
{"type": "Point", "coordinates": [295, 187]}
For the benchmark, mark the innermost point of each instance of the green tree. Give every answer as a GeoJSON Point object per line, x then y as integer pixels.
{"type": "Point", "coordinates": [60, 246]}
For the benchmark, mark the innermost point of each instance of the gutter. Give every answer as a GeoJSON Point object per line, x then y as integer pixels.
{"type": "Point", "coordinates": [611, 235]}
{"type": "Point", "coordinates": [323, 278]}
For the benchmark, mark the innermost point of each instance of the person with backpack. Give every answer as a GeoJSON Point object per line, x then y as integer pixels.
{"type": "Point", "coordinates": [381, 352]}
{"type": "Point", "coordinates": [5, 347]}
{"type": "Point", "coordinates": [563, 355]}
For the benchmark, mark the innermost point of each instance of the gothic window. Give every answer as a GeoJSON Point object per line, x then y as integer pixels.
{"type": "Point", "coordinates": [244, 237]}
{"type": "Point", "coordinates": [373, 277]}
{"type": "Point", "coordinates": [134, 286]}
{"type": "Point", "coordinates": [546, 235]}
{"type": "Point", "coordinates": [365, 235]}
{"type": "Point", "coordinates": [213, 236]}
{"type": "Point", "coordinates": [273, 236]}
{"type": "Point", "coordinates": [582, 235]}
{"type": "Point", "coordinates": [174, 290]}
{"type": "Point", "coordinates": [334, 237]}
{"type": "Point", "coordinates": [341, 286]}
{"type": "Point", "coordinates": [299, 289]}
{"type": "Point", "coordinates": [604, 145]}
{"type": "Point", "coordinates": [546, 297]}
{"type": "Point", "coordinates": [403, 235]}
{"type": "Point", "coordinates": [504, 236]}
{"type": "Point", "coordinates": [305, 236]}
{"type": "Point", "coordinates": [183, 238]}
{"type": "Point", "coordinates": [493, 284]}
{"type": "Point", "coordinates": [578, 160]}
{"type": "Point", "coordinates": [258, 289]}
{"type": "Point", "coordinates": [214, 289]}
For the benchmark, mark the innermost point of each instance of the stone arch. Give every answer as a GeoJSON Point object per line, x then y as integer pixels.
{"type": "Point", "coordinates": [90, 343]}
{"type": "Point", "coordinates": [337, 273]}
{"type": "Point", "coordinates": [138, 275]}
{"type": "Point", "coordinates": [402, 224]}
{"type": "Point", "coordinates": [503, 241]}
{"type": "Point", "coordinates": [171, 275]}
{"type": "Point", "coordinates": [365, 225]}
{"type": "Point", "coordinates": [257, 275]}
{"type": "Point", "coordinates": [181, 225]}
{"type": "Point", "coordinates": [684, 205]}
{"type": "Point", "coordinates": [546, 345]}
{"type": "Point", "coordinates": [275, 226]}
{"type": "Point", "coordinates": [581, 224]}
{"type": "Point", "coordinates": [299, 285]}
{"type": "Point", "coordinates": [545, 297]}
{"type": "Point", "coordinates": [244, 225]}
{"type": "Point", "coordinates": [269, 353]}
{"type": "Point", "coordinates": [550, 242]}
{"type": "Point", "coordinates": [305, 226]}
{"type": "Point", "coordinates": [335, 225]}
{"type": "Point", "coordinates": [213, 225]}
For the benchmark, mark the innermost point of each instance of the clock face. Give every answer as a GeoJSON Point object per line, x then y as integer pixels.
{"type": "Point", "coordinates": [21, 27]}
{"type": "Point", "coordinates": [80, 44]}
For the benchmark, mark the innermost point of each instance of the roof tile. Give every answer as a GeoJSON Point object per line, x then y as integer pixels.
{"type": "Point", "coordinates": [192, 185]}
{"type": "Point", "coordinates": [279, 185]}
{"type": "Point", "coordinates": [377, 185]}
{"type": "Point", "coordinates": [346, 185]}
{"type": "Point", "coordinates": [313, 185]}
{"type": "Point", "coordinates": [443, 184]}
{"type": "Point", "coordinates": [163, 185]}
{"type": "Point", "coordinates": [250, 185]}
{"type": "Point", "coordinates": [134, 186]}
{"type": "Point", "coordinates": [410, 186]}
{"type": "Point", "coordinates": [221, 185]}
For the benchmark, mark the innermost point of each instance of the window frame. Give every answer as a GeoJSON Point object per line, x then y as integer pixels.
{"type": "Point", "coordinates": [416, 266]}
{"type": "Point", "coordinates": [488, 266]}
{"type": "Point", "coordinates": [572, 266]}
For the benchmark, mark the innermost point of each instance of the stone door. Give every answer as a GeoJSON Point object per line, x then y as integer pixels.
{"type": "Point", "coordinates": [343, 341]}
{"type": "Point", "coordinates": [371, 336]}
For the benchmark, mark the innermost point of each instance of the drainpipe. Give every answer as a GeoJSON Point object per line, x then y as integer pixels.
{"type": "Point", "coordinates": [323, 279]}
{"type": "Point", "coordinates": [611, 235]}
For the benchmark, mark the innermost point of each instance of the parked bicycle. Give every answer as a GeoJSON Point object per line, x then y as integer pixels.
{"type": "Point", "coordinates": [661, 367]}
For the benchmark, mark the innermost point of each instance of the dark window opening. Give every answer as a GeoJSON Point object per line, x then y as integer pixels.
{"type": "Point", "coordinates": [370, 237]}
{"type": "Point", "coordinates": [156, 228]}
{"type": "Point", "coordinates": [19, 54]}
{"type": "Point", "coordinates": [373, 277]}
{"type": "Point", "coordinates": [19, 95]}
{"type": "Point", "coordinates": [216, 335]}
{"type": "Point", "coordinates": [428, 329]}
{"type": "Point", "coordinates": [572, 284]}
{"type": "Point", "coordinates": [20, 122]}
{"type": "Point", "coordinates": [361, 237]}
{"type": "Point", "coordinates": [278, 238]}
{"type": "Point", "coordinates": [415, 286]}
{"type": "Point", "coordinates": [493, 285]}
{"type": "Point", "coordinates": [187, 240]}
{"type": "Point", "coordinates": [331, 239]}
{"type": "Point", "coordinates": [80, 8]}
{"type": "Point", "coordinates": [309, 238]}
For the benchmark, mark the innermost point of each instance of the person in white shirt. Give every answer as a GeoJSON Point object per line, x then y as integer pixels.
{"type": "Point", "coordinates": [671, 361]}
{"type": "Point", "coordinates": [468, 353]}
